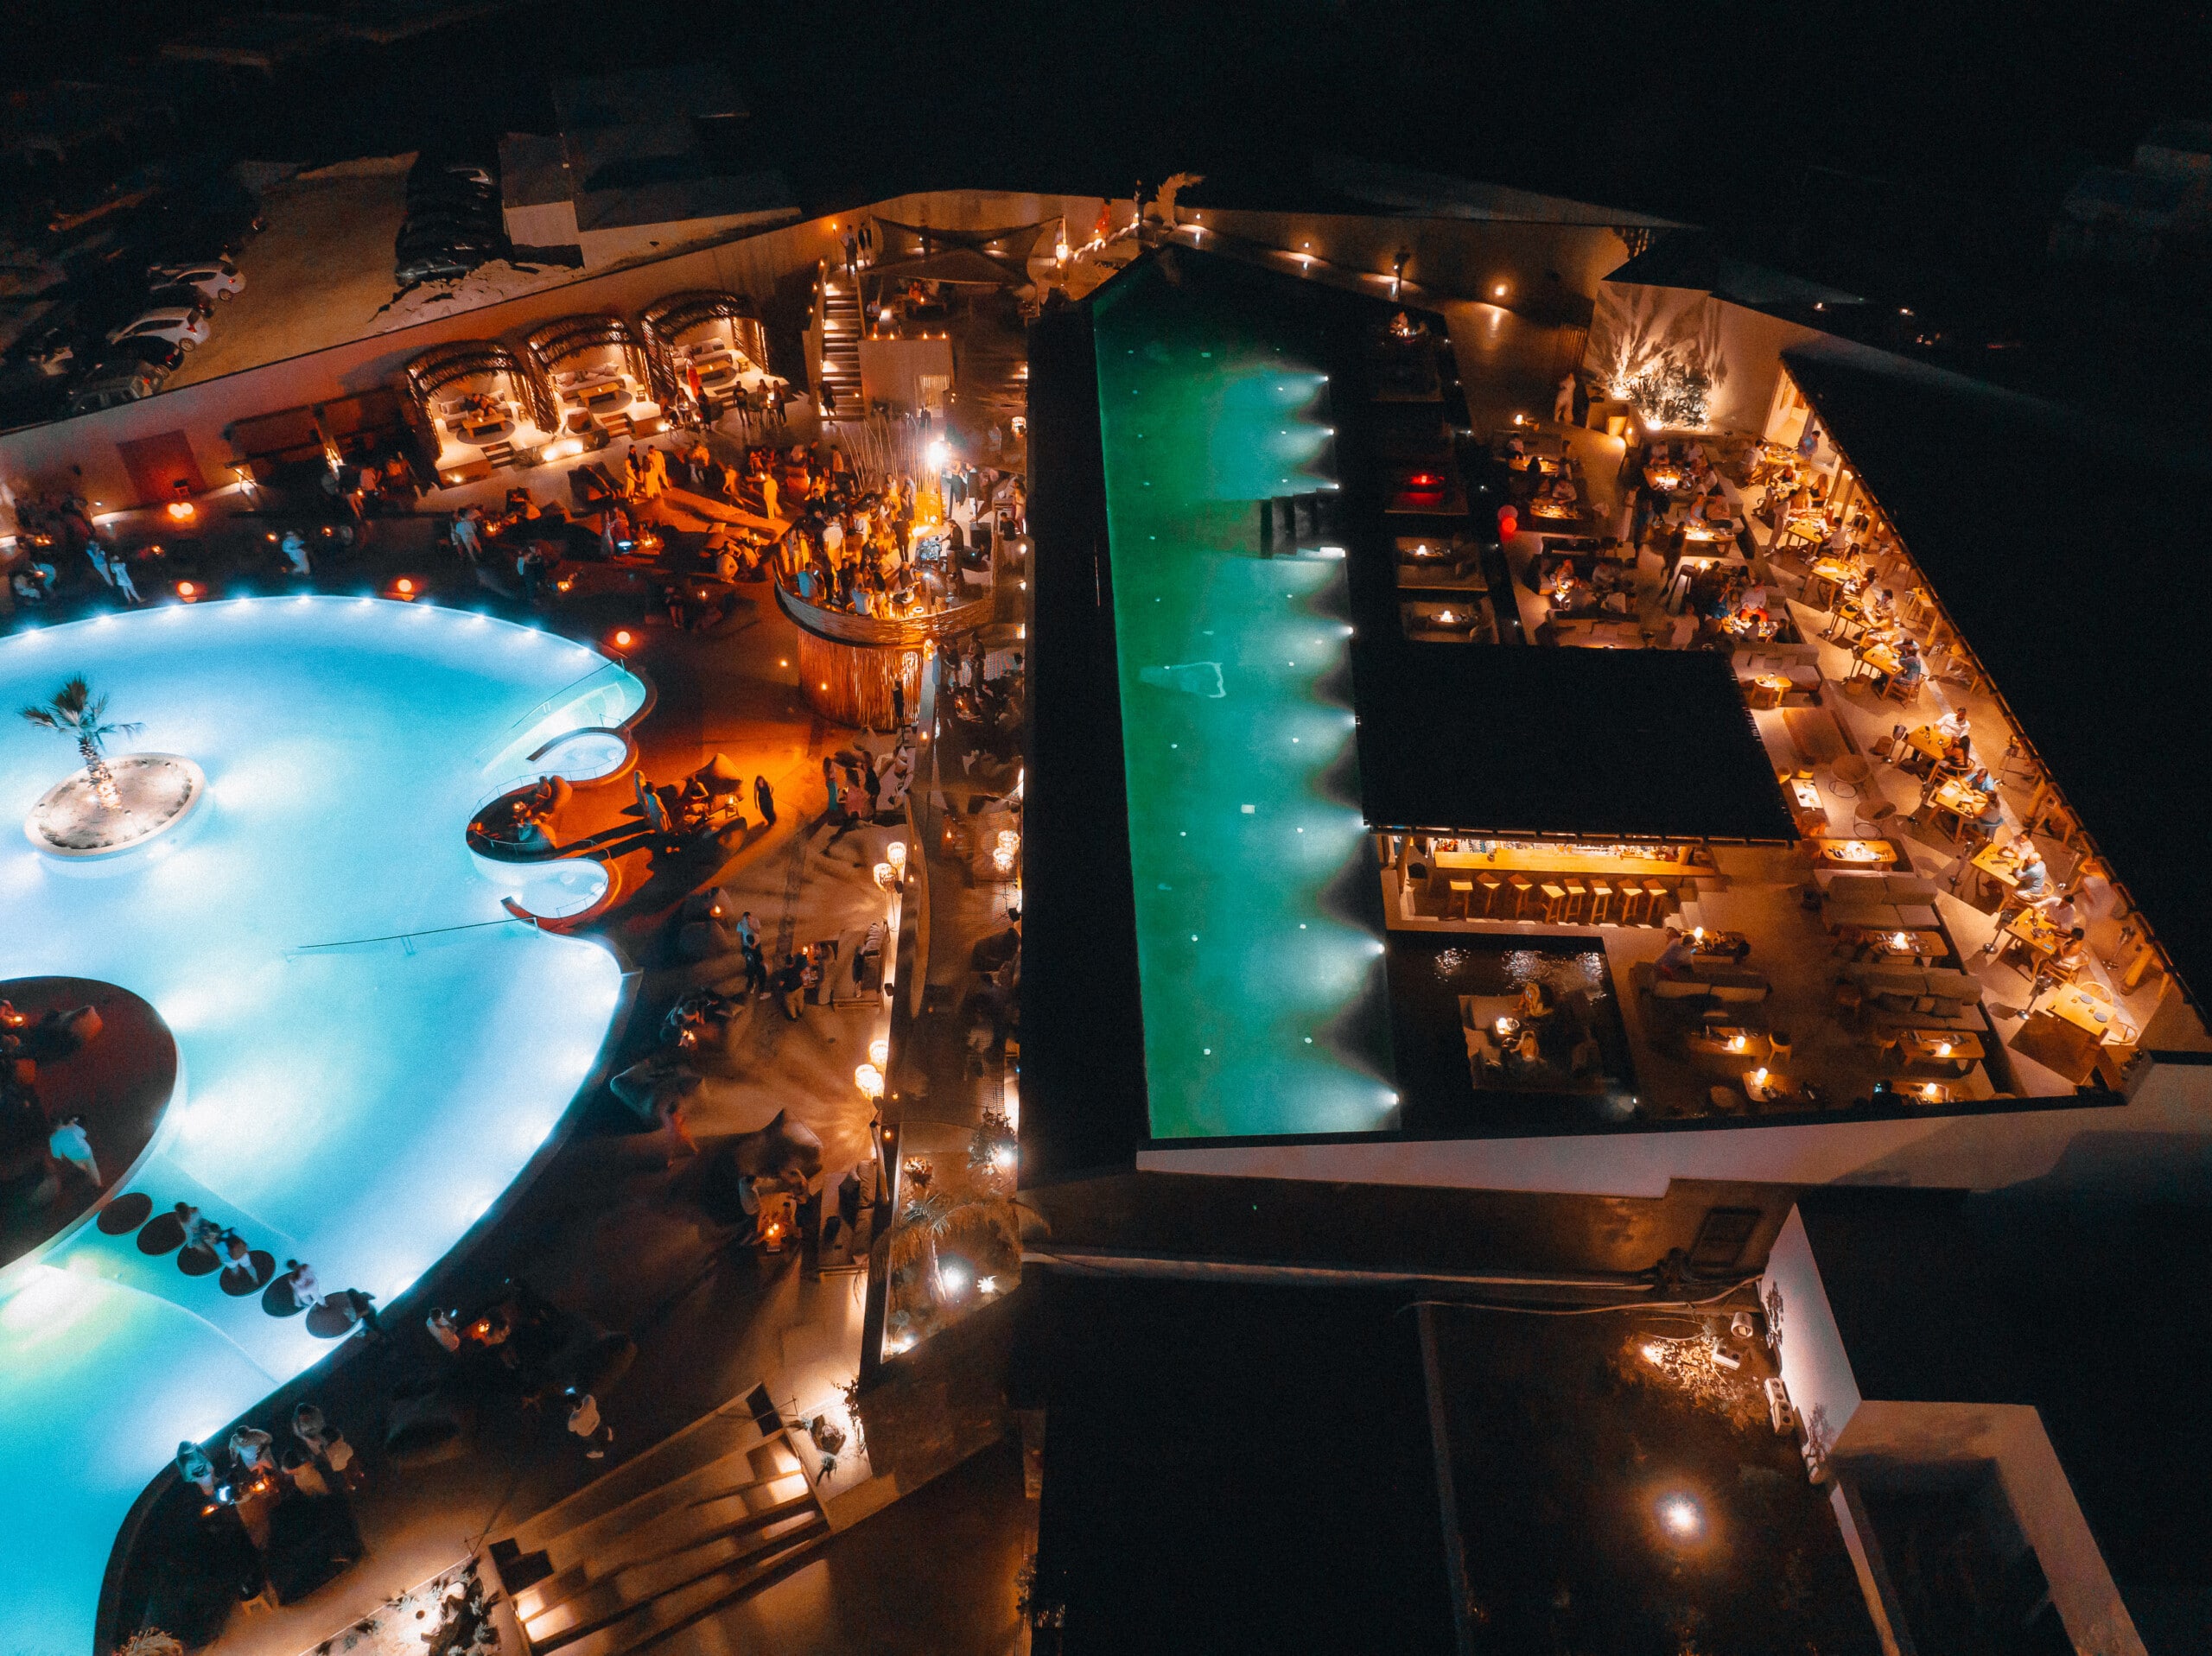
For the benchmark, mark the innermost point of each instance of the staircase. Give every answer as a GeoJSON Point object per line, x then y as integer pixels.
{"type": "Point", "coordinates": [841, 328]}
{"type": "Point", "coordinates": [644, 1552]}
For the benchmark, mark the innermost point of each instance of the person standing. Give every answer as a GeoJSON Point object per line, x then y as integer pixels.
{"type": "Point", "coordinates": [585, 1424]}
{"type": "Point", "coordinates": [299, 1281]}
{"type": "Point", "coordinates": [791, 983]}
{"type": "Point", "coordinates": [440, 1324]}
{"type": "Point", "coordinates": [756, 968]}
{"type": "Point", "coordinates": [295, 548]}
{"type": "Point", "coordinates": [465, 540]}
{"type": "Point", "coordinates": [1563, 404]}
{"type": "Point", "coordinates": [68, 1143]}
{"type": "Point", "coordinates": [764, 799]}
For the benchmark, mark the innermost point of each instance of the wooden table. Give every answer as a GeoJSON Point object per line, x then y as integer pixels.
{"type": "Point", "coordinates": [1771, 688]}
{"type": "Point", "coordinates": [1726, 1041]}
{"type": "Point", "coordinates": [1916, 945]}
{"type": "Point", "coordinates": [1709, 940]}
{"type": "Point", "coordinates": [2085, 1012]}
{"type": "Point", "coordinates": [1856, 854]}
{"type": "Point", "coordinates": [1928, 741]}
{"type": "Point", "coordinates": [2032, 928]}
{"type": "Point", "coordinates": [2002, 862]}
{"type": "Point", "coordinates": [1929, 1093]}
{"type": "Point", "coordinates": [1805, 804]}
{"type": "Point", "coordinates": [1875, 658]}
{"type": "Point", "coordinates": [1563, 861]}
{"type": "Point", "coordinates": [1961, 803]}
{"type": "Point", "coordinates": [1960, 1047]}
{"type": "Point", "coordinates": [1835, 575]}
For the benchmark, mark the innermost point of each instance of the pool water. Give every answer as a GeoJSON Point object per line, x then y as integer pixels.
{"type": "Point", "coordinates": [1239, 758]}
{"type": "Point", "coordinates": [370, 1051]}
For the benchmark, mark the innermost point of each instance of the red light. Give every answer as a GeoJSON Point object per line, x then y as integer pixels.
{"type": "Point", "coordinates": [186, 589]}
{"type": "Point", "coordinates": [1425, 479]}
{"type": "Point", "coordinates": [622, 639]}
{"type": "Point", "coordinates": [404, 585]}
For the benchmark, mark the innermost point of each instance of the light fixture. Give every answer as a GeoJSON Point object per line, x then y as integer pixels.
{"type": "Point", "coordinates": [1680, 1517]}
{"type": "Point", "coordinates": [869, 1079]}
{"type": "Point", "coordinates": [1498, 292]}
{"type": "Point", "coordinates": [622, 638]}
{"type": "Point", "coordinates": [895, 855]}
{"type": "Point", "coordinates": [878, 1052]}
{"type": "Point", "coordinates": [883, 875]}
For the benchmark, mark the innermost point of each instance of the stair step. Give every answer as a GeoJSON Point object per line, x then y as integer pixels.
{"type": "Point", "coordinates": [661, 1537]}
{"type": "Point", "coordinates": [629, 1494]}
{"type": "Point", "coordinates": [616, 1594]}
{"type": "Point", "coordinates": [672, 1612]}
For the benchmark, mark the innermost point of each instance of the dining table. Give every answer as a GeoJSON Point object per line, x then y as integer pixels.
{"type": "Point", "coordinates": [2002, 863]}
{"type": "Point", "coordinates": [1855, 853]}
{"type": "Point", "coordinates": [1961, 802]}
{"type": "Point", "coordinates": [2073, 1003]}
{"type": "Point", "coordinates": [1929, 743]}
{"type": "Point", "coordinates": [1960, 1049]}
{"type": "Point", "coordinates": [1892, 943]}
{"type": "Point", "coordinates": [2032, 929]}
{"type": "Point", "coordinates": [1830, 579]}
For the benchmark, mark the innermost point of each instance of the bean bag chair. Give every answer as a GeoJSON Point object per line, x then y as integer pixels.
{"type": "Point", "coordinates": [646, 1086]}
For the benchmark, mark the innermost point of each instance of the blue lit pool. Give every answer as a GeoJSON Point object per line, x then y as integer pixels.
{"type": "Point", "coordinates": [365, 1064]}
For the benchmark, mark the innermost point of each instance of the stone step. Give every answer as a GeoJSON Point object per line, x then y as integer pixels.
{"type": "Point", "coordinates": [615, 1594]}
{"type": "Point", "coordinates": [701, 1460]}
{"type": "Point", "coordinates": [669, 1613]}
{"type": "Point", "coordinates": [658, 1537]}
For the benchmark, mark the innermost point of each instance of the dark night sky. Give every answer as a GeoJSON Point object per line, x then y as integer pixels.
{"type": "Point", "coordinates": [1699, 110]}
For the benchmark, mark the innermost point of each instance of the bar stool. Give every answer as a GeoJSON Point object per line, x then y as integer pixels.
{"type": "Point", "coordinates": [1632, 902]}
{"type": "Point", "coordinates": [1492, 885]}
{"type": "Point", "coordinates": [1554, 898]}
{"type": "Point", "coordinates": [1661, 901]}
{"type": "Point", "coordinates": [1601, 901]}
{"type": "Point", "coordinates": [1521, 886]}
{"type": "Point", "coordinates": [1578, 900]}
{"type": "Point", "coordinates": [1457, 902]}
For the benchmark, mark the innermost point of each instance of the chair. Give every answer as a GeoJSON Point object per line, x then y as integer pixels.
{"type": "Point", "coordinates": [1521, 886]}
{"type": "Point", "coordinates": [1492, 885]}
{"type": "Point", "coordinates": [1661, 902]}
{"type": "Point", "coordinates": [1555, 899]}
{"type": "Point", "coordinates": [1900, 688]}
{"type": "Point", "coordinates": [1578, 900]}
{"type": "Point", "coordinates": [1869, 822]}
{"type": "Point", "coordinates": [1456, 899]}
{"type": "Point", "coordinates": [1601, 901]}
{"type": "Point", "coordinates": [1848, 772]}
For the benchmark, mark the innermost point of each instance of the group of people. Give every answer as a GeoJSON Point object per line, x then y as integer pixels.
{"type": "Point", "coordinates": [318, 1462]}
{"type": "Point", "coordinates": [28, 1131]}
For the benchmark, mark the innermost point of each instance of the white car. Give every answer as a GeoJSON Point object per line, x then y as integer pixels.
{"type": "Point", "coordinates": [176, 324]}
{"type": "Point", "coordinates": [217, 278]}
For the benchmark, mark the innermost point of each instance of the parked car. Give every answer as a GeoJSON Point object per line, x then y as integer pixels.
{"type": "Point", "coordinates": [176, 323]}
{"type": "Point", "coordinates": [423, 192]}
{"type": "Point", "coordinates": [216, 278]}
{"type": "Point", "coordinates": [426, 226]}
{"type": "Point", "coordinates": [112, 386]}
{"type": "Point", "coordinates": [164, 355]}
{"type": "Point", "coordinates": [166, 296]}
{"type": "Point", "coordinates": [432, 264]}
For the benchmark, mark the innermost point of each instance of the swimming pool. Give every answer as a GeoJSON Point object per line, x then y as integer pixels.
{"type": "Point", "coordinates": [1237, 743]}
{"type": "Point", "coordinates": [369, 1051]}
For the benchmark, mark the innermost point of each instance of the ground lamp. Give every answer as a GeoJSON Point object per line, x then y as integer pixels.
{"type": "Point", "coordinates": [181, 508]}
{"type": "Point", "coordinates": [895, 855]}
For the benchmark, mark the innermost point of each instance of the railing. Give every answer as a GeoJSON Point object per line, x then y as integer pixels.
{"type": "Point", "coordinates": [568, 696]}
{"type": "Point", "coordinates": [841, 626]}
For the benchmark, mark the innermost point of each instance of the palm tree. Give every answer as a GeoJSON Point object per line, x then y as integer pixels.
{"type": "Point", "coordinates": [75, 712]}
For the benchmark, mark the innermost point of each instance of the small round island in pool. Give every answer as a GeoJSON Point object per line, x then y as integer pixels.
{"type": "Point", "coordinates": [370, 1047]}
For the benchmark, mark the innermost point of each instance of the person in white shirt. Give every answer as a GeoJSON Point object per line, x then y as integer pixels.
{"type": "Point", "coordinates": [68, 1143]}
{"type": "Point", "coordinates": [584, 1422]}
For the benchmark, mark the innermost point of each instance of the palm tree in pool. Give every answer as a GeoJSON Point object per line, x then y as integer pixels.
{"type": "Point", "coordinates": [73, 711]}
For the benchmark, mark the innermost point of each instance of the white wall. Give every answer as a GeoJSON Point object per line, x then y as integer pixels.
{"type": "Point", "coordinates": [1636, 327]}
{"type": "Point", "coordinates": [2158, 1142]}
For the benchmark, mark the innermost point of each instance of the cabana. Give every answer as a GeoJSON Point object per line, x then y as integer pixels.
{"type": "Point", "coordinates": [479, 406]}
{"type": "Point", "coordinates": [717, 334]}
{"type": "Point", "coordinates": [600, 376]}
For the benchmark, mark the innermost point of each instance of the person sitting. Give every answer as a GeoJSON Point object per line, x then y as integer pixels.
{"type": "Point", "coordinates": [2073, 955]}
{"type": "Point", "coordinates": [1677, 959]}
{"type": "Point", "coordinates": [1535, 1003]}
{"type": "Point", "coordinates": [2030, 883]}
{"type": "Point", "coordinates": [1991, 819]}
{"type": "Point", "coordinates": [194, 1468]}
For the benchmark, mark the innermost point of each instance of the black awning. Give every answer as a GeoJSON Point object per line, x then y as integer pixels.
{"type": "Point", "coordinates": [1628, 743]}
{"type": "Point", "coordinates": [2069, 555]}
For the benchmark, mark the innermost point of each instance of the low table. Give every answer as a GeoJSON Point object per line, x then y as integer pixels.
{"type": "Point", "coordinates": [1959, 1048]}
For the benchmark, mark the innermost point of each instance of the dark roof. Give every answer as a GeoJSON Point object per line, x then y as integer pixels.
{"type": "Point", "coordinates": [1082, 1077]}
{"type": "Point", "coordinates": [2067, 552]}
{"type": "Point", "coordinates": [2093, 1312]}
{"type": "Point", "coordinates": [1237, 1469]}
{"type": "Point", "coordinates": [1495, 739]}
{"type": "Point", "coordinates": [1701, 262]}
{"type": "Point", "coordinates": [677, 91]}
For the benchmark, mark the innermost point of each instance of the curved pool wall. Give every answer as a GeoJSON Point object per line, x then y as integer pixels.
{"type": "Point", "coordinates": [374, 1051]}
{"type": "Point", "coordinates": [1239, 757]}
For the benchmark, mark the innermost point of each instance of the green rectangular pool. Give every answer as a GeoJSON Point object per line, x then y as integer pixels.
{"type": "Point", "coordinates": [1238, 742]}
